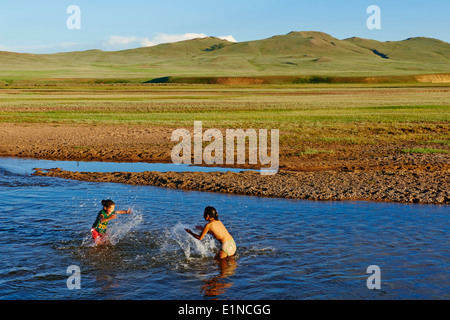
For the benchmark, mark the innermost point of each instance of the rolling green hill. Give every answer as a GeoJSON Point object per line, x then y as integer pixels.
{"type": "Point", "coordinates": [296, 54]}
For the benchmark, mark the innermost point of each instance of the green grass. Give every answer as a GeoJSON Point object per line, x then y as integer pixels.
{"type": "Point", "coordinates": [343, 140]}
{"type": "Point", "coordinates": [218, 106]}
{"type": "Point", "coordinates": [232, 116]}
{"type": "Point", "coordinates": [437, 141]}
{"type": "Point", "coordinates": [312, 152]}
{"type": "Point", "coordinates": [318, 117]}
{"type": "Point", "coordinates": [306, 57]}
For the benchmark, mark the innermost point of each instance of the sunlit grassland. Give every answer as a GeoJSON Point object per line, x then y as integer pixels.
{"type": "Point", "coordinates": [323, 114]}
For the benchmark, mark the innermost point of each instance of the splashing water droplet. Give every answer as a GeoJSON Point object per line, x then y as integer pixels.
{"type": "Point", "coordinates": [122, 228]}
{"type": "Point", "coordinates": [177, 238]}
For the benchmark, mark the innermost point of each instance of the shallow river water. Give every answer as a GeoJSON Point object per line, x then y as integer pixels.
{"type": "Point", "coordinates": [287, 249]}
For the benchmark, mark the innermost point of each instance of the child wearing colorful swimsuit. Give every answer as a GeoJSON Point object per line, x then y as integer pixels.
{"type": "Point", "coordinates": [104, 216]}
{"type": "Point", "coordinates": [229, 247]}
{"type": "Point", "coordinates": [216, 228]}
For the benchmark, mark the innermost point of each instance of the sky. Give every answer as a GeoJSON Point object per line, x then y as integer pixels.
{"type": "Point", "coordinates": [42, 26]}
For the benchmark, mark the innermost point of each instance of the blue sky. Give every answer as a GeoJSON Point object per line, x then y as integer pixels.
{"type": "Point", "coordinates": [40, 26]}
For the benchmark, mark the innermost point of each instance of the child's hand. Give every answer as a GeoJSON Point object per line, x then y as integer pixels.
{"type": "Point", "coordinates": [129, 211]}
{"type": "Point", "coordinates": [188, 231]}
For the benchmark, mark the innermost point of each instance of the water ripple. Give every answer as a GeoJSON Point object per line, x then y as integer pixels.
{"type": "Point", "coordinates": [287, 249]}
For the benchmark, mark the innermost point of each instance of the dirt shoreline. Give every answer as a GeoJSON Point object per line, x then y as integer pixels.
{"type": "Point", "coordinates": [114, 143]}
{"type": "Point", "coordinates": [376, 172]}
{"type": "Point", "coordinates": [405, 187]}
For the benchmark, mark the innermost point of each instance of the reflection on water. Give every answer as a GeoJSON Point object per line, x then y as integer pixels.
{"type": "Point", "coordinates": [217, 285]}
{"type": "Point", "coordinates": [287, 249]}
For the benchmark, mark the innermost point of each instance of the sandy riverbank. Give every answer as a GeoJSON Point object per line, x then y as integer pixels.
{"type": "Point", "coordinates": [402, 186]}
{"type": "Point", "coordinates": [122, 143]}
{"type": "Point", "coordinates": [369, 172]}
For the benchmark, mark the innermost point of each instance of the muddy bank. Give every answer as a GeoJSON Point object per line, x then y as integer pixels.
{"type": "Point", "coordinates": [402, 186]}
{"type": "Point", "coordinates": [123, 143]}
{"type": "Point", "coordinates": [370, 172]}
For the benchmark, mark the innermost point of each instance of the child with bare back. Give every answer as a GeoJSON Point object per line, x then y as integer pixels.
{"type": "Point", "coordinates": [216, 228]}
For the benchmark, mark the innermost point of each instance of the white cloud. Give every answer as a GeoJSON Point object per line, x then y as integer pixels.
{"type": "Point", "coordinates": [228, 38]}
{"type": "Point", "coordinates": [114, 41]}
{"type": "Point", "coordinates": [166, 38]}
{"type": "Point", "coordinates": [146, 42]}
{"type": "Point", "coordinates": [127, 42]}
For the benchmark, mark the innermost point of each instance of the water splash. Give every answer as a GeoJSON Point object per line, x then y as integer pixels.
{"type": "Point", "coordinates": [177, 238]}
{"type": "Point", "coordinates": [118, 229]}
{"type": "Point", "coordinates": [123, 226]}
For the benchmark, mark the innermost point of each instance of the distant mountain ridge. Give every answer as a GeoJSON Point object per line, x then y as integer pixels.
{"type": "Point", "coordinates": [295, 53]}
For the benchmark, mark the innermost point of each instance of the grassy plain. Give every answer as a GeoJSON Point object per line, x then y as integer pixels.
{"type": "Point", "coordinates": [372, 117]}
{"type": "Point", "coordinates": [321, 121]}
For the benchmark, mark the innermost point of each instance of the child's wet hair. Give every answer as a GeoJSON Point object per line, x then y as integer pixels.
{"type": "Point", "coordinates": [107, 203]}
{"type": "Point", "coordinates": [212, 212]}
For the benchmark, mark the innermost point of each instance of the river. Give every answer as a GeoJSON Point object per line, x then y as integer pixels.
{"type": "Point", "coordinates": [287, 249]}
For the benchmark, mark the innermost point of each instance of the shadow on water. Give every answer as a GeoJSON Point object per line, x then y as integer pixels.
{"type": "Point", "coordinates": [216, 286]}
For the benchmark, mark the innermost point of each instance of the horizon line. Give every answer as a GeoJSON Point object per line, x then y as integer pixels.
{"type": "Point", "coordinates": [206, 37]}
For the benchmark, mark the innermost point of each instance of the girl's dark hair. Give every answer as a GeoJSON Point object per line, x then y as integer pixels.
{"type": "Point", "coordinates": [107, 203]}
{"type": "Point", "coordinates": [212, 212]}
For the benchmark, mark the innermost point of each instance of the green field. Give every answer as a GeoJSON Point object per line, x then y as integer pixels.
{"type": "Point", "coordinates": [325, 115]}
{"type": "Point", "coordinates": [322, 93]}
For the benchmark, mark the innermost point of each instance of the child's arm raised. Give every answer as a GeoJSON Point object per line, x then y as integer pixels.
{"type": "Point", "coordinates": [202, 235]}
{"type": "Point", "coordinates": [123, 211]}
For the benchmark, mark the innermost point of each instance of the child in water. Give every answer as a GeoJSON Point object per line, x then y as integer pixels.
{"type": "Point", "coordinates": [101, 223]}
{"type": "Point", "coordinates": [216, 228]}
